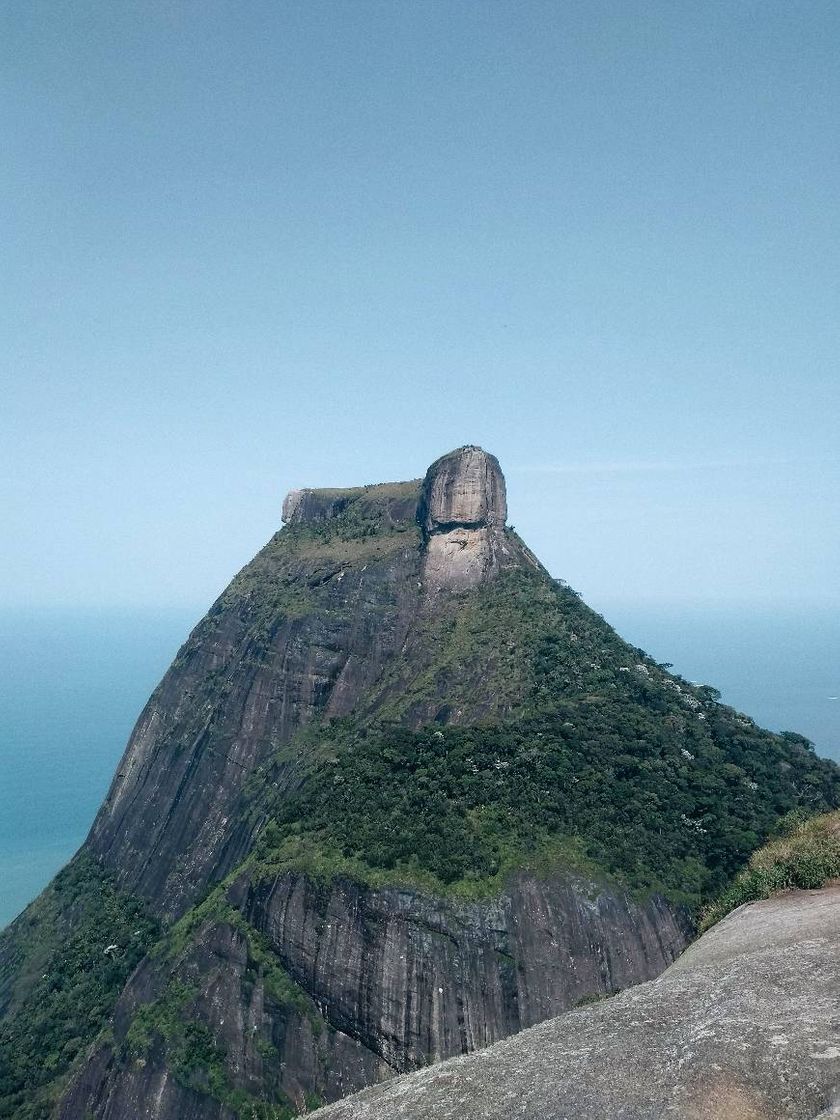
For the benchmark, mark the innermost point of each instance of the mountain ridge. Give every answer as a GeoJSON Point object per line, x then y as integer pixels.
{"type": "Point", "coordinates": [400, 794]}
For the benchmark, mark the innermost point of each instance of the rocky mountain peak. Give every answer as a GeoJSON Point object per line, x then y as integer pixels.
{"type": "Point", "coordinates": [464, 488]}
{"type": "Point", "coordinates": [463, 509]}
{"type": "Point", "coordinates": [398, 783]}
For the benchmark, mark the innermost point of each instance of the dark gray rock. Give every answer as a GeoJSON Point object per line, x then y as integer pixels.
{"type": "Point", "coordinates": [303, 631]}
{"type": "Point", "coordinates": [418, 979]}
{"type": "Point", "coordinates": [306, 630]}
{"type": "Point", "coordinates": [147, 1090]}
{"type": "Point", "coordinates": [744, 1026]}
{"type": "Point", "coordinates": [388, 980]}
{"type": "Point", "coordinates": [274, 1050]}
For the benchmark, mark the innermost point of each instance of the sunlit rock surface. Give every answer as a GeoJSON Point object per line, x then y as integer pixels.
{"type": "Point", "coordinates": [463, 509]}
{"type": "Point", "coordinates": [465, 488]}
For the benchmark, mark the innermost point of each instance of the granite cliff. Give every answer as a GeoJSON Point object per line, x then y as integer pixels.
{"type": "Point", "coordinates": [400, 795]}
{"type": "Point", "coordinates": [743, 1026]}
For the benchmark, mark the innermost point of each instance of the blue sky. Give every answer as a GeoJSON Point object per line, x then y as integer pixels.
{"type": "Point", "coordinates": [254, 246]}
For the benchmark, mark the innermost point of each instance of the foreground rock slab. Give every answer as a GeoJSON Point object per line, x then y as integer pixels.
{"type": "Point", "coordinates": [744, 1026]}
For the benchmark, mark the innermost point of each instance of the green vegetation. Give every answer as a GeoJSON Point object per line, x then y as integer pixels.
{"type": "Point", "coordinates": [606, 760]}
{"type": "Point", "coordinates": [281, 850]}
{"type": "Point", "coordinates": [66, 960]}
{"type": "Point", "coordinates": [467, 805]}
{"type": "Point", "coordinates": [474, 652]}
{"type": "Point", "coordinates": [174, 1023]}
{"type": "Point", "coordinates": [196, 1060]}
{"type": "Point", "coordinates": [806, 856]}
{"type": "Point", "coordinates": [291, 577]}
{"type": "Point", "coordinates": [362, 522]}
{"type": "Point", "coordinates": [262, 963]}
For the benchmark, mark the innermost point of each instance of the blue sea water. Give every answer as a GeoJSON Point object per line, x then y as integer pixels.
{"type": "Point", "coordinates": [72, 685]}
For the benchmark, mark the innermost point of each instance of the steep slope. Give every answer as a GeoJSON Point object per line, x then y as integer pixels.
{"type": "Point", "coordinates": [301, 632]}
{"type": "Point", "coordinates": [742, 1027]}
{"type": "Point", "coordinates": [400, 795]}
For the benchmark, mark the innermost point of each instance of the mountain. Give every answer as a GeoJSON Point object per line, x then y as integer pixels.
{"type": "Point", "coordinates": [400, 795]}
{"type": "Point", "coordinates": [742, 1027]}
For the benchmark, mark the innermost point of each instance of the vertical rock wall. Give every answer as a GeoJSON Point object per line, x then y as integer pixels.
{"type": "Point", "coordinates": [387, 980]}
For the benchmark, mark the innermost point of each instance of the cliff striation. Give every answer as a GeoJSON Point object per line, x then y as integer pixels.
{"type": "Point", "coordinates": [742, 1027]}
{"type": "Point", "coordinates": [400, 795]}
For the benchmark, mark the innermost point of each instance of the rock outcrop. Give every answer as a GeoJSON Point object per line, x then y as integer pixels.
{"type": "Point", "coordinates": [464, 489]}
{"type": "Point", "coordinates": [463, 510]}
{"type": "Point", "coordinates": [744, 1026]}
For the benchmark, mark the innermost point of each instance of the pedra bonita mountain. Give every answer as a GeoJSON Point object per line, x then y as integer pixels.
{"type": "Point", "coordinates": [400, 795]}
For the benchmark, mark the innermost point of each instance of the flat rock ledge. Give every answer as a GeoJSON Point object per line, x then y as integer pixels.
{"type": "Point", "coordinates": [744, 1026]}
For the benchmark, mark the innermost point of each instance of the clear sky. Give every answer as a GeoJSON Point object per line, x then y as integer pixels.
{"type": "Point", "coordinates": [252, 246]}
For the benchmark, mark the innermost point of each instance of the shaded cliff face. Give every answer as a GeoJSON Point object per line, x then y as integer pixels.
{"type": "Point", "coordinates": [742, 1027]}
{"type": "Point", "coordinates": [400, 795]}
{"type": "Point", "coordinates": [301, 632]}
{"type": "Point", "coordinates": [475, 971]}
{"type": "Point", "coordinates": [376, 982]}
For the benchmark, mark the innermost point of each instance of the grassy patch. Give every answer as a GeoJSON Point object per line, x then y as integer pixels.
{"type": "Point", "coordinates": [805, 858]}
{"type": "Point", "coordinates": [313, 856]}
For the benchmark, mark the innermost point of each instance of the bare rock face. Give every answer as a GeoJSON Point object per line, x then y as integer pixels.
{"type": "Point", "coordinates": [302, 632]}
{"type": "Point", "coordinates": [387, 981]}
{"type": "Point", "coordinates": [465, 488]}
{"type": "Point", "coordinates": [476, 971]}
{"type": "Point", "coordinates": [744, 1026]}
{"type": "Point", "coordinates": [463, 509]}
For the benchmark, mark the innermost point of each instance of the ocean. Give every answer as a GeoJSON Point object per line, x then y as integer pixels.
{"type": "Point", "coordinates": [71, 687]}
{"type": "Point", "coordinates": [72, 684]}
